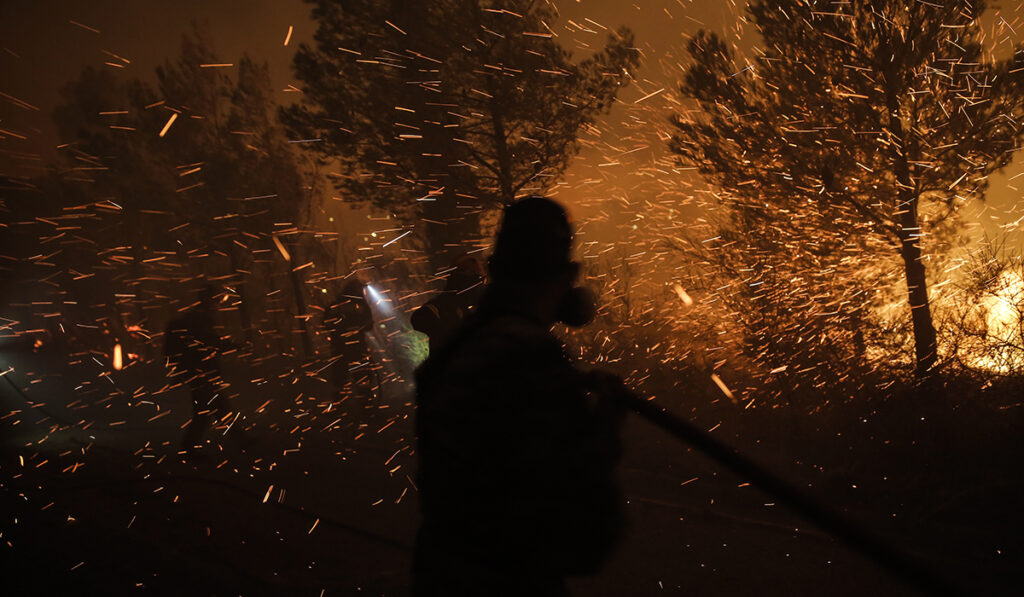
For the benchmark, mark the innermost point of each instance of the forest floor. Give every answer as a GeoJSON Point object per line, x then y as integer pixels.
{"type": "Point", "coordinates": [313, 503]}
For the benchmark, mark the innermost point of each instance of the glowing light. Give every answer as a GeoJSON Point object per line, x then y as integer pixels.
{"type": "Point", "coordinates": [379, 303]}
{"type": "Point", "coordinates": [1001, 316]}
{"type": "Point", "coordinates": [374, 294]}
{"type": "Point", "coordinates": [118, 359]}
{"type": "Point", "coordinates": [280, 247]}
{"type": "Point", "coordinates": [683, 296]}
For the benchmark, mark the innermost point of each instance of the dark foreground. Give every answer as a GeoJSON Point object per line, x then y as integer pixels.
{"type": "Point", "coordinates": [323, 503]}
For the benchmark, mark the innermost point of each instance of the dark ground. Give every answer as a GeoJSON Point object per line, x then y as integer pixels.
{"type": "Point", "coordinates": [113, 510]}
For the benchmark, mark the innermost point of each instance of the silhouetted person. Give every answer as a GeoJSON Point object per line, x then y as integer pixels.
{"type": "Point", "coordinates": [347, 321]}
{"type": "Point", "coordinates": [516, 479]}
{"type": "Point", "coordinates": [192, 345]}
{"type": "Point", "coordinates": [439, 317]}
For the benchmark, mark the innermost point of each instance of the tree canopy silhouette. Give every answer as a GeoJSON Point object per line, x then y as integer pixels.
{"type": "Point", "coordinates": [197, 166]}
{"type": "Point", "coordinates": [440, 111]}
{"type": "Point", "coordinates": [865, 120]}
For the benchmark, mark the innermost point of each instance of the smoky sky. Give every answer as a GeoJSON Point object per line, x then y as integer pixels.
{"type": "Point", "coordinates": [45, 44]}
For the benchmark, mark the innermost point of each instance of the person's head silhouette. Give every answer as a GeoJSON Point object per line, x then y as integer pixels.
{"type": "Point", "coordinates": [467, 272]}
{"type": "Point", "coordinates": [517, 487]}
{"type": "Point", "coordinates": [532, 270]}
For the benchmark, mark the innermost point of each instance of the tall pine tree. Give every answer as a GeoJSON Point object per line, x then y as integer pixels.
{"type": "Point", "coordinates": [862, 121]}
{"type": "Point", "coordinates": [197, 166]}
{"type": "Point", "coordinates": [441, 112]}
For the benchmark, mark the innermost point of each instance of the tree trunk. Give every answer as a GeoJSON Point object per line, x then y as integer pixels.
{"type": "Point", "coordinates": [925, 342]}
{"type": "Point", "coordinates": [450, 231]}
{"type": "Point", "coordinates": [300, 303]}
{"type": "Point", "coordinates": [860, 344]}
{"type": "Point", "coordinates": [244, 310]}
{"type": "Point", "coordinates": [504, 159]}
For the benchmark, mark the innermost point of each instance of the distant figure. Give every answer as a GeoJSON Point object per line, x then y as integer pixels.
{"type": "Point", "coordinates": [443, 314]}
{"type": "Point", "coordinates": [192, 345]}
{"type": "Point", "coordinates": [517, 456]}
{"type": "Point", "coordinates": [347, 321]}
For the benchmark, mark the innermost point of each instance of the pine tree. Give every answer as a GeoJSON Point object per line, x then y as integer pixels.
{"type": "Point", "coordinates": [857, 122]}
{"type": "Point", "coordinates": [440, 112]}
{"type": "Point", "coordinates": [198, 165]}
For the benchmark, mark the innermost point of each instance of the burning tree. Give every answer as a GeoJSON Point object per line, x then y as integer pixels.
{"type": "Point", "coordinates": [986, 318]}
{"type": "Point", "coordinates": [859, 125]}
{"type": "Point", "coordinates": [441, 112]}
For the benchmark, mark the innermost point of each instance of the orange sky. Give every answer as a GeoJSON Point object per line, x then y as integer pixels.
{"type": "Point", "coordinates": [42, 50]}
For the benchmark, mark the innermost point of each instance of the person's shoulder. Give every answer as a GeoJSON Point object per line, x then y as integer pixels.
{"type": "Point", "coordinates": [510, 336]}
{"type": "Point", "coordinates": [516, 325]}
{"type": "Point", "coordinates": [427, 310]}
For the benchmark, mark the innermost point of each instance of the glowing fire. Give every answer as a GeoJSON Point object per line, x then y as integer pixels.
{"type": "Point", "coordinates": [118, 360]}
{"type": "Point", "coordinates": [1003, 348]}
{"type": "Point", "coordinates": [1003, 317]}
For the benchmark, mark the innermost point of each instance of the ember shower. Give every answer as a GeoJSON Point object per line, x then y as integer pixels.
{"type": "Point", "coordinates": [802, 220]}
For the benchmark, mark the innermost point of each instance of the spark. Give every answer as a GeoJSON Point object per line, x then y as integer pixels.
{"type": "Point", "coordinates": [682, 294]}
{"type": "Point", "coordinates": [170, 121]}
{"type": "Point", "coordinates": [395, 27]}
{"type": "Point", "coordinates": [401, 236]}
{"type": "Point", "coordinates": [721, 386]}
{"type": "Point", "coordinates": [280, 247]}
{"type": "Point", "coordinates": [86, 27]}
{"type": "Point", "coordinates": [18, 102]}
{"type": "Point", "coordinates": [649, 95]}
